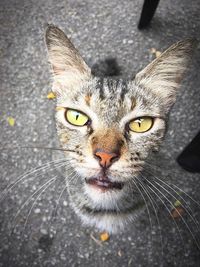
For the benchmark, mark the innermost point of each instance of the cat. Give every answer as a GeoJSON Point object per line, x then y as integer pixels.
{"type": "Point", "coordinates": [108, 128]}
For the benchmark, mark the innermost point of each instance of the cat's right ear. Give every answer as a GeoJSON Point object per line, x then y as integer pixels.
{"type": "Point", "coordinates": [68, 67]}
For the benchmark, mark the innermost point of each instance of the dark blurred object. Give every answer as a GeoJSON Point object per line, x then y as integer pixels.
{"type": "Point", "coordinates": [189, 159]}
{"type": "Point", "coordinates": [148, 10]}
{"type": "Point", "coordinates": [106, 68]}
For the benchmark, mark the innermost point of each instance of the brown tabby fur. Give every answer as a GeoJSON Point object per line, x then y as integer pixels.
{"type": "Point", "coordinates": [110, 106]}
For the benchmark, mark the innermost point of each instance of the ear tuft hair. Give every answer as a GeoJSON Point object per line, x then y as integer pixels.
{"type": "Point", "coordinates": [68, 66]}
{"type": "Point", "coordinates": [163, 75]}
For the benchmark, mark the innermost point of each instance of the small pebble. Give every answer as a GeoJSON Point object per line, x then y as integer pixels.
{"type": "Point", "coordinates": [43, 231]}
{"type": "Point", "coordinates": [130, 41]}
{"type": "Point", "coordinates": [37, 211]}
{"type": "Point", "coordinates": [64, 203]}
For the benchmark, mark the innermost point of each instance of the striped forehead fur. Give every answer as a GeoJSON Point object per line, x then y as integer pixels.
{"type": "Point", "coordinates": [162, 76]}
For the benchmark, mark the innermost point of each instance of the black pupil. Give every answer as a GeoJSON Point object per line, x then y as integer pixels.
{"type": "Point", "coordinates": [77, 116]}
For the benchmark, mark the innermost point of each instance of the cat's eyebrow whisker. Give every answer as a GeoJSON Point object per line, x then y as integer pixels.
{"type": "Point", "coordinates": [36, 147]}
{"type": "Point", "coordinates": [155, 211]}
{"type": "Point", "coordinates": [24, 176]}
{"type": "Point", "coordinates": [29, 199]}
{"type": "Point", "coordinates": [187, 226]}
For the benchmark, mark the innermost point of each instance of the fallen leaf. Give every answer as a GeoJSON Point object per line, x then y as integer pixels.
{"type": "Point", "coordinates": [104, 236]}
{"type": "Point", "coordinates": [155, 52]}
{"type": "Point", "coordinates": [177, 212]}
{"type": "Point", "coordinates": [177, 203]}
{"type": "Point", "coordinates": [158, 53]}
{"type": "Point", "coordinates": [51, 95]}
{"type": "Point", "coordinates": [11, 121]}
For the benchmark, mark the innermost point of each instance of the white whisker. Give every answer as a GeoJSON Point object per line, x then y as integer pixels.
{"type": "Point", "coordinates": [50, 183]}
{"type": "Point", "coordinates": [155, 211]}
{"type": "Point", "coordinates": [177, 212]}
{"type": "Point", "coordinates": [145, 203]}
{"type": "Point", "coordinates": [24, 176]}
{"type": "Point", "coordinates": [187, 207]}
{"type": "Point", "coordinates": [29, 199]}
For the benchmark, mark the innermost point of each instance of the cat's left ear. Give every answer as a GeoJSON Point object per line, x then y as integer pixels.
{"type": "Point", "coordinates": [69, 68]}
{"type": "Point", "coordinates": [163, 76]}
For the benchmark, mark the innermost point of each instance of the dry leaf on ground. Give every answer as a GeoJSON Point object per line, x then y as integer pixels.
{"type": "Point", "coordinates": [177, 212]}
{"type": "Point", "coordinates": [155, 52]}
{"type": "Point", "coordinates": [177, 203]}
{"type": "Point", "coordinates": [11, 121]}
{"type": "Point", "coordinates": [104, 236]}
{"type": "Point", "coordinates": [51, 95]}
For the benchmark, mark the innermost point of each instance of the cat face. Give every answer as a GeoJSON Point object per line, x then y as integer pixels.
{"type": "Point", "coordinates": [106, 147]}
{"type": "Point", "coordinates": [109, 127]}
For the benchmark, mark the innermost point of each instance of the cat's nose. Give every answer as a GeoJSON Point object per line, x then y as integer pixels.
{"type": "Point", "coordinates": [106, 158]}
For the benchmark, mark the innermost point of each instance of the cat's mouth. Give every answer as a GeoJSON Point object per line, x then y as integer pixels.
{"type": "Point", "coordinates": [104, 183]}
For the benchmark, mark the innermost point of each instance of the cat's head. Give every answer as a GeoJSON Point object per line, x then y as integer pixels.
{"type": "Point", "coordinates": [111, 126]}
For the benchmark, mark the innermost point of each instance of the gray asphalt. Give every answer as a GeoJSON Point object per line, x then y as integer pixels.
{"type": "Point", "coordinates": [99, 29]}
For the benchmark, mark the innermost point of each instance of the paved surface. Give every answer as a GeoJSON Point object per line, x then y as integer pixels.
{"type": "Point", "coordinates": [99, 29]}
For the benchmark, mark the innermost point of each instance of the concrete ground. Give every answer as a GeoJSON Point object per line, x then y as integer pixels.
{"type": "Point", "coordinates": [99, 29]}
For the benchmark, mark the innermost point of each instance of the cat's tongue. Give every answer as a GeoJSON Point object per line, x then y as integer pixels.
{"type": "Point", "coordinates": [104, 183]}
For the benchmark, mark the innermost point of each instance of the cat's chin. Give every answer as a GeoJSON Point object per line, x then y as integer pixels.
{"type": "Point", "coordinates": [111, 223]}
{"type": "Point", "coordinates": [110, 210]}
{"type": "Point", "coordinates": [111, 220]}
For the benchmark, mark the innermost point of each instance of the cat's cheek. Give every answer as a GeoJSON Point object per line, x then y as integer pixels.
{"type": "Point", "coordinates": [87, 169]}
{"type": "Point", "coordinates": [86, 173]}
{"type": "Point", "coordinates": [89, 166]}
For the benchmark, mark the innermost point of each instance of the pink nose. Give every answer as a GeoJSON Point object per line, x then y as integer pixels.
{"type": "Point", "coordinates": [106, 158]}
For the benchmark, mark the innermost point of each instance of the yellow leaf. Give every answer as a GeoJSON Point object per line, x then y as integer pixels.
{"type": "Point", "coordinates": [177, 203]}
{"type": "Point", "coordinates": [11, 121]}
{"type": "Point", "coordinates": [158, 53]}
{"type": "Point", "coordinates": [119, 253]}
{"type": "Point", "coordinates": [104, 236]}
{"type": "Point", "coordinates": [51, 95]}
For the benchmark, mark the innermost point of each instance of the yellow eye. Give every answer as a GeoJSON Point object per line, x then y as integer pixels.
{"type": "Point", "coordinates": [76, 118]}
{"type": "Point", "coordinates": [141, 125]}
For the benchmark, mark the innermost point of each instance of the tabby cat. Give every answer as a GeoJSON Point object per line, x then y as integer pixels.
{"type": "Point", "coordinates": [108, 128]}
